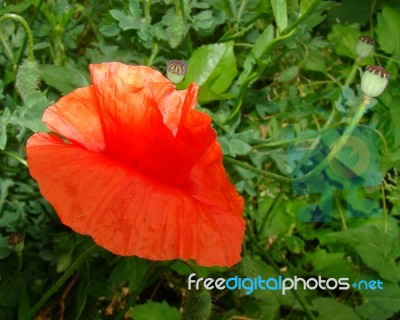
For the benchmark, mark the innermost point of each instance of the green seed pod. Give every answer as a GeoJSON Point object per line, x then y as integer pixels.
{"type": "Point", "coordinates": [16, 240]}
{"type": "Point", "coordinates": [176, 71]}
{"type": "Point", "coordinates": [28, 78]}
{"type": "Point", "coordinates": [374, 81]}
{"type": "Point", "coordinates": [365, 46]}
{"type": "Point", "coordinates": [198, 305]}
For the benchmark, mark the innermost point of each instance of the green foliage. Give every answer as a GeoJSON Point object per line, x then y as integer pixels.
{"type": "Point", "coordinates": [330, 309]}
{"type": "Point", "coordinates": [388, 19]}
{"type": "Point", "coordinates": [155, 310]}
{"type": "Point", "coordinates": [64, 79]}
{"type": "Point", "coordinates": [213, 67]}
{"type": "Point", "coordinates": [273, 76]}
{"type": "Point", "coordinates": [280, 13]}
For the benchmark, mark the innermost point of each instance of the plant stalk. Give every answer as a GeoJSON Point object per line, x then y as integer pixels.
{"type": "Point", "coordinates": [28, 31]}
{"type": "Point", "coordinates": [61, 280]}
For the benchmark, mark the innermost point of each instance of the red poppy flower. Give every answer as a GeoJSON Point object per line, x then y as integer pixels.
{"type": "Point", "coordinates": [135, 166]}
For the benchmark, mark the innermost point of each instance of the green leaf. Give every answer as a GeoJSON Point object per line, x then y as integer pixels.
{"type": "Point", "coordinates": [234, 147]}
{"type": "Point", "coordinates": [64, 261]}
{"type": "Point", "coordinates": [329, 265]}
{"type": "Point", "coordinates": [4, 190]}
{"type": "Point", "coordinates": [206, 21]}
{"type": "Point", "coordinates": [207, 95]}
{"type": "Point", "coordinates": [270, 307]}
{"type": "Point", "coordinates": [110, 30]}
{"type": "Point", "coordinates": [294, 244]}
{"type": "Point", "coordinates": [316, 60]}
{"type": "Point", "coordinates": [380, 304]}
{"type": "Point", "coordinates": [351, 11]}
{"type": "Point", "coordinates": [30, 114]}
{"type": "Point", "coordinates": [280, 13]}
{"type": "Point", "coordinates": [131, 269]}
{"type": "Point", "coordinates": [155, 310]}
{"type": "Point", "coordinates": [175, 28]}
{"type": "Point", "coordinates": [4, 118]}
{"type": "Point", "coordinates": [305, 5]}
{"type": "Point", "coordinates": [330, 309]}
{"type": "Point", "coordinates": [388, 117]}
{"type": "Point", "coordinates": [388, 22]}
{"type": "Point", "coordinates": [212, 67]}
{"type": "Point", "coordinates": [8, 217]}
{"type": "Point", "coordinates": [5, 248]}
{"type": "Point", "coordinates": [131, 20]}
{"type": "Point", "coordinates": [16, 8]}
{"type": "Point", "coordinates": [272, 223]}
{"type": "Point", "coordinates": [64, 79]}
{"type": "Point", "coordinates": [378, 249]}
{"type": "Point", "coordinates": [203, 20]}
{"type": "Point", "coordinates": [344, 39]}
{"type": "Point", "coordinates": [146, 35]}
{"type": "Point", "coordinates": [261, 47]}
{"type": "Point", "coordinates": [289, 74]}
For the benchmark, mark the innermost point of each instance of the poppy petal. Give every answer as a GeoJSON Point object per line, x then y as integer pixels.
{"type": "Point", "coordinates": [209, 184]}
{"type": "Point", "coordinates": [76, 117]}
{"type": "Point", "coordinates": [131, 213]}
{"type": "Point", "coordinates": [137, 128]}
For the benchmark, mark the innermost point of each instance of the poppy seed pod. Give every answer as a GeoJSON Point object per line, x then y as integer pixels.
{"type": "Point", "coordinates": [16, 240]}
{"type": "Point", "coordinates": [176, 70]}
{"type": "Point", "coordinates": [365, 46]}
{"type": "Point", "coordinates": [374, 81]}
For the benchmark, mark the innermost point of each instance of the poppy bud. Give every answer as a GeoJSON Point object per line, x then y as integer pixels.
{"type": "Point", "coordinates": [16, 240]}
{"type": "Point", "coordinates": [176, 70]}
{"type": "Point", "coordinates": [28, 78]}
{"type": "Point", "coordinates": [365, 46]}
{"type": "Point", "coordinates": [244, 269]}
{"type": "Point", "coordinates": [198, 305]}
{"type": "Point", "coordinates": [374, 81]}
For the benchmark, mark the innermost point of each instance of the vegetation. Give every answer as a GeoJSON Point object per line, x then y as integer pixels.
{"type": "Point", "coordinates": [281, 81]}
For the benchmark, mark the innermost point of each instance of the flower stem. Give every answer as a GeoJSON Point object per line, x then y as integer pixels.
{"type": "Point", "coordinates": [342, 217]}
{"type": "Point", "coordinates": [28, 31]}
{"type": "Point", "coordinates": [129, 304]}
{"type": "Point", "coordinates": [360, 111]}
{"type": "Point", "coordinates": [61, 281]}
{"type": "Point", "coordinates": [337, 147]}
{"type": "Point", "coordinates": [256, 170]}
{"type": "Point", "coordinates": [149, 280]}
{"type": "Point", "coordinates": [385, 211]}
{"type": "Point", "coordinates": [268, 259]}
{"type": "Point", "coordinates": [352, 74]}
{"type": "Point", "coordinates": [15, 156]}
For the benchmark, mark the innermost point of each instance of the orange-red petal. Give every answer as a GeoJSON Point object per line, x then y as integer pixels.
{"type": "Point", "coordinates": [147, 124]}
{"type": "Point", "coordinates": [141, 171]}
{"type": "Point", "coordinates": [76, 117]}
{"type": "Point", "coordinates": [131, 213]}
